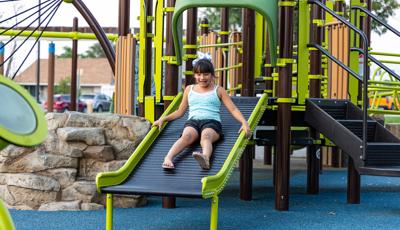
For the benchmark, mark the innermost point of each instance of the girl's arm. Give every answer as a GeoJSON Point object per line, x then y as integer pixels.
{"type": "Point", "coordinates": [226, 99]}
{"type": "Point", "coordinates": [176, 114]}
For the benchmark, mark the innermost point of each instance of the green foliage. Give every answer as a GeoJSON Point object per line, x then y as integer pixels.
{"type": "Point", "coordinates": [383, 9]}
{"type": "Point", "coordinates": [67, 52]}
{"type": "Point", "coordinates": [94, 51]}
{"type": "Point", "coordinates": [64, 86]}
{"type": "Point", "coordinates": [214, 17]}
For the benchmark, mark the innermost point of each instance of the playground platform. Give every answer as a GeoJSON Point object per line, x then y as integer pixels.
{"type": "Point", "coordinates": [379, 207]}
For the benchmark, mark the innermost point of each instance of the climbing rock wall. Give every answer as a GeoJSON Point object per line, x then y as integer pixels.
{"type": "Point", "coordinates": [60, 173]}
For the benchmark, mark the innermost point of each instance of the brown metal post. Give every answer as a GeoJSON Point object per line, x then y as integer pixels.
{"type": "Point", "coordinates": [204, 26]}
{"type": "Point", "coordinates": [267, 155]}
{"type": "Point", "coordinates": [284, 109]}
{"type": "Point", "coordinates": [224, 34]}
{"type": "Point", "coordinates": [353, 177]}
{"type": "Point", "coordinates": [191, 32]}
{"type": "Point", "coordinates": [124, 16]}
{"type": "Point", "coordinates": [246, 162]}
{"type": "Point", "coordinates": [315, 92]}
{"type": "Point", "coordinates": [353, 183]}
{"type": "Point", "coordinates": [50, 81]}
{"type": "Point", "coordinates": [1, 58]}
{"type": "Point", "coordinates": [339, 8]}
{"type": "Point", "coordinates": [74, 67]}
{"type": "Point", "coordinates": [171, 81]}
{"type": "Point", "coordinates": [267, 72]}
{"type": "Point", "coordinates": [149, 49]}
{"type": "Point", "coordinates": [274, 167]}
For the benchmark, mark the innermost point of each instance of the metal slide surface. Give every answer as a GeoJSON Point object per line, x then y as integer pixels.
{"type": "Point", "coordinates": [185, 180]}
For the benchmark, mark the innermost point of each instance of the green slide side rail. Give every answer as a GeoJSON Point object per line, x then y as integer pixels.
{"type": "Point", "coordinates": [39, 132]}
{"type": "Point", "coordinates": [268, 9]}
{"type": "Point", "coordinates": [213, 185]}
{"type": "Point", "coordinates": [105, 179]}
{"type": "Point", "coordinates": [6, 222]}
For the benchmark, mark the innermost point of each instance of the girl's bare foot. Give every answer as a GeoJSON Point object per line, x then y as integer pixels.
{"type": "Point", "coordinates": [167, 164]}
{"type": "Point", "coordinates": [203, 161]}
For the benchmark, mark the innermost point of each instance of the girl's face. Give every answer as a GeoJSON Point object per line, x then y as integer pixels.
{"type": "Point", "coordinates": [204, 79]}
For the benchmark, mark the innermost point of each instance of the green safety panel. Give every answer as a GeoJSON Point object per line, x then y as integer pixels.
{"type": "Point", "coordinates": [6, 222]}
{"type": "Point", "coordinates": [267, 8]}
{"type": "Point", "coordinates": [22, 121]}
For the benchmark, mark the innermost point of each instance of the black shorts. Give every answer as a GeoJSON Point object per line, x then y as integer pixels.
{"type": "Point", "coordinates": [199, 125]}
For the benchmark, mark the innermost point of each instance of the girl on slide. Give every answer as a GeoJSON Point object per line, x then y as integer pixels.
{"type": "Point", "coordinates": [204, 122]}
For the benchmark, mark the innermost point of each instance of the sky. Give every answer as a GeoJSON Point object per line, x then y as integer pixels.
{"type": "Point", "coordinates": [106, 12]}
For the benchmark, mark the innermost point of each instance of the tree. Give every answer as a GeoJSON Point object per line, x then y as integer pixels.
{"type": "Point", "coordinates": [214, 17]}
{"type": "Point", "coordinates": [64, 86]}
{"type": "Point", "coordinates": [383, 9]}
{"type": "Point", "coordinates": [67, 52]}
{"type": "Point", "coordinates": [94, 51]}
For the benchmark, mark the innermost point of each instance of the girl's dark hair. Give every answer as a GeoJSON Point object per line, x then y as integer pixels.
{"type": "Point", "coordinates": [203, 66]}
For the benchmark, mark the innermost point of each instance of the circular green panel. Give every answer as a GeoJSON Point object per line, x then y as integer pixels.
{"type": "Point", "coordinates": [15, 115]}
{"type": "Point", "coordinates": [22, 121]}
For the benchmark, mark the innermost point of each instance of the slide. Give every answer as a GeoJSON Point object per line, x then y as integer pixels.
{"type": "Point", "coordinates": [143, 174]}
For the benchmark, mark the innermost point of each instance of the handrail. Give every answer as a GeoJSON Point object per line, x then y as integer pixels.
{"type": "Point", "coordinates": [380, 64]}
{"type": "Point", "coordinates": [364, 39]}
{"type": "Point", "coordinates": [387, 26]}
{"type": "Point", "coordinates": [384, 54]}
{"type": "Point", "coordinates": [337, 61]}
{"type": "Point", "coordinates": [213, 185]}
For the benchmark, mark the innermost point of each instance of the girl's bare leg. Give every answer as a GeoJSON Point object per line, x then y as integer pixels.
{"type": "Point", "coordinates": [208, 137]}
{"type": "Point", "coordinates": [189, 135]}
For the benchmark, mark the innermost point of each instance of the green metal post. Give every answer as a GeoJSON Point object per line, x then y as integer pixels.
{"type": "Point", "coordinates": [353, 59]}
{"type": "Point", "coordinates": [258, 50]}
{"type": "Point", "coordinates": [303, 53]}
{"type": "Point", "coordinates": [109, 212]}
{"type": "Point", "coordinates": [142, 56]}
{"type": "Point", "coordinates": [214, 213]}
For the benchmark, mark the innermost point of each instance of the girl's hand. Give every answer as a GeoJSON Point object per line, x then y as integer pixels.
{"type": "Point", "coordinates": [245, 127]}
{"type": "Point", "coordinates": [159, 123]}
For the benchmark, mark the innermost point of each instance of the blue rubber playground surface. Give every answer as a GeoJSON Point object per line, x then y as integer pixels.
{"type": "Point", "coordinates": [379, 208]}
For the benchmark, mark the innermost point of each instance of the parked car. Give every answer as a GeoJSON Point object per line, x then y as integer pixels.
{"type": "Point", "coordinates": [62, 103]}
{"type": "Point", "coordinates": [100, 102]}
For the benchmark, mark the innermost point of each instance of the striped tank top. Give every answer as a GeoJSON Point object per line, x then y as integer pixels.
{"type": "Point", "coordinates": [204, 106]}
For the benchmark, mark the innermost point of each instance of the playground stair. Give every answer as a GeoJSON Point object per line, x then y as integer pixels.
{"type": "Point", "coordinates": [341, 122]}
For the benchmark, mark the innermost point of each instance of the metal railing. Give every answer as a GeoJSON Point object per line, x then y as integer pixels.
{"type": "Point", "coordinates": [362, 78]}
{"type": "Point", "coordinates": [373, 59]}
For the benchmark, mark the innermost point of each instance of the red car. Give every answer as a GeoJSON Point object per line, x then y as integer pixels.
{"type": "Point", "coordinates": [62, 103]}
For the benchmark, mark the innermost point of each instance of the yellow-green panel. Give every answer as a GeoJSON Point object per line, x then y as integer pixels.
{"type": "Point", "coordinates": [303, 53]}
{"type": "Point", "coordinates": [142, 50]}
{"type": "Point", "coordinates": [259, 41]}
{"type": "Point", "coordinates": [149, 105]}
{"type": "Point", "coordinates": [158, 43]}
{"type": "Point", "coordinates": [6, 222]}
{"type": "Point", "coordinates": [23, 122]}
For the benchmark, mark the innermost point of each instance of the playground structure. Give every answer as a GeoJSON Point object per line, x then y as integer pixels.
{"type": "Point", "coordinates": [325, 66]}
